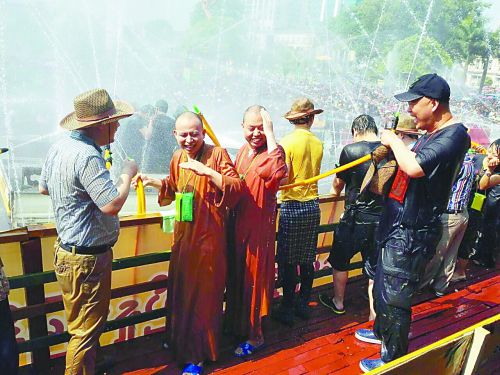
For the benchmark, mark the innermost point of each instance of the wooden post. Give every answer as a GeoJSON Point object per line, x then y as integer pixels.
{"type": "Point", "coordinates": [31, 253]}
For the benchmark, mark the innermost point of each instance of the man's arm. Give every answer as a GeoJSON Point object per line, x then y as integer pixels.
{"type": "Point", "coordinates": [406, 158]}
{"type": "Point", "coordinates": [488, 179]}
{"type": "Point", "coordinates": [42, 181]}
{"type": "Point", "coordinates": [123, 186]}
{"type": "Point", "coordinates": [337, 186]}
{"type": "Point", "coordinates": [96, 180]}
{"type": "Point", "coordinates": [43, 190]}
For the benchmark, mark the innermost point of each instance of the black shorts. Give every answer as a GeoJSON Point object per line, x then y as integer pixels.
{"type": "Point", "coordinates": [356, 232]}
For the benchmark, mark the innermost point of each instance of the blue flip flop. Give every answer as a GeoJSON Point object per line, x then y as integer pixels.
{"type": "Point", "coordinates": [246, 349]}
{"type": "Point", "coordinates": [192, 369]}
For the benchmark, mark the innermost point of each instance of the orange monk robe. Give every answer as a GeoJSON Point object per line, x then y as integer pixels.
{"type": "Point", "coordinates": [197, 271]}
{"type": "Point", "coordinates": [251, 279]}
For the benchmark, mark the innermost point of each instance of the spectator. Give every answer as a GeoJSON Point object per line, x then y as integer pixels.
{"type": "Point", "coordinates": [358, 225]}
{"type": "Point", "coordinates": [299, 214]}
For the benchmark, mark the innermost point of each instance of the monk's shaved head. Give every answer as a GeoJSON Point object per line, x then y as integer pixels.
{"type": "Point", "coordinates": [188, 117]}
{"type": "Point", "coordinates": [252, 110]}
{"type": "Point", "coordinates": [253, 127]}
{"type": "Point", "coordinates": [189, 133]}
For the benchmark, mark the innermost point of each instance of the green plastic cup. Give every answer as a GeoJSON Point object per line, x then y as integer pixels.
{"type": "Point", "coordinates": [168, 223]}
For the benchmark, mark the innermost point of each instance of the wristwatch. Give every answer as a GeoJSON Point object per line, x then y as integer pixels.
{"type": "Point", "coordinates": [487, 173]}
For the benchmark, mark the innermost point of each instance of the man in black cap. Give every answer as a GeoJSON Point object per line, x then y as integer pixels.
{"type": "Point", "coordinates": [410, 224]}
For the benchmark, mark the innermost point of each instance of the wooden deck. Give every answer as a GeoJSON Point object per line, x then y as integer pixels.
{"type": "Point", "coordinates": [325, 343]}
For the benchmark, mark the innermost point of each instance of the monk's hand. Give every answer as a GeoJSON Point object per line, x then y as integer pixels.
{"type": "Point", "coordinates": [146, 181]}
{"type": "Point", "coordinates": [198, 168]}
{"type": "Point", "coordinates": [267, 123]}
{"type": "Point", "coordinates": [133, 183]}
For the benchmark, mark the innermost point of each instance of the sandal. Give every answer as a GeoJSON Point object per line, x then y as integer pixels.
{"type": "Point", "coordinates": [246, 349]}
{"type": "Point", "coordinates": [192, 369]}
{"type": "Point", "coordinates": [328, 302]}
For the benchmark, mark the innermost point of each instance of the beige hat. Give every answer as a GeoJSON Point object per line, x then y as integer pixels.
{"type": "Point", "coordinates": [302, 107]}
{"type": "Point", "coordinates": [95, 107]}
{"type": "Point", "coordinates": [406, 124]}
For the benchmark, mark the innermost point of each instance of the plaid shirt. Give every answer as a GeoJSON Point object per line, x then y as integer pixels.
{"type": "Point", "coordinates": [78, 182]}
{"type": "Point", "coordinates": [460, 192]}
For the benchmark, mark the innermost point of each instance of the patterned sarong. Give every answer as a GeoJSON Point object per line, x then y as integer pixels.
{"type": "Point", "coordinates": [298, 232]}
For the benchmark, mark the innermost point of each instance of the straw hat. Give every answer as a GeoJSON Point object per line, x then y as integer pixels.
{"type": "Point", "coordinates": [406, 124]}
{"type": "Point", "coordinates": [95, 107]}
{"type": "Point", "coordinates": [302, 107]}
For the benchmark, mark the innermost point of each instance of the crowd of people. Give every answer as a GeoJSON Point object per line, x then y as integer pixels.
{"type": "Point", "coordinates": [405, 211]}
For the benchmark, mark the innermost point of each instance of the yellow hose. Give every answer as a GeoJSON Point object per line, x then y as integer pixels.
{"type": "Point", "coordinates": [141, 198]}
{"type": "Point", "coordinates": [329, 173]}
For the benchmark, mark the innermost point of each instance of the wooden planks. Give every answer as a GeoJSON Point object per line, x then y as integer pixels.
{"type": "Point", "coordinates": [325, 344]}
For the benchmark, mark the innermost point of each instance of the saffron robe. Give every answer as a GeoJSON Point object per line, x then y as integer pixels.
{"type": "Point", "coordinates": [250, 287]}
{"type": "Point", "coordinates": [198, 263]}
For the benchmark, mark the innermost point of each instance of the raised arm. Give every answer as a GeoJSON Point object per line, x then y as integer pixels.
{"type": "Point", "coordinates": [406, 158]}
{"type": "Point", "coordinates": [123, 186]}
{"type": "Point", "coordinates": [267, 124]}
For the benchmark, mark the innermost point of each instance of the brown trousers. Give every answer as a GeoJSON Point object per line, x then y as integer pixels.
{"type": "Point", "coordinates": [85, 281]}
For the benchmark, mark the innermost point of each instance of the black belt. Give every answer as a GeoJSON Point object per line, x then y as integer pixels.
{"type": "Point", "coordinates": [85, 250]}
{"type": "Point", "coordinates": [454, 212]}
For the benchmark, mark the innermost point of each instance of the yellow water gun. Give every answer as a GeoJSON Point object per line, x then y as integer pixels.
{"type": "Point", "coordinates": [141, 197]}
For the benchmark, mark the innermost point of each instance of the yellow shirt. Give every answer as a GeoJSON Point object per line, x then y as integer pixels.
{"type": "Point", "coordinates": [304, 152]}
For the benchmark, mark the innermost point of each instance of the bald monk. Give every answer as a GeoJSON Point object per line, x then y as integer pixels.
{"type": "Point", "coordinates": [197, 271]}
{"type": "Point", "coordinates": [261, 164]}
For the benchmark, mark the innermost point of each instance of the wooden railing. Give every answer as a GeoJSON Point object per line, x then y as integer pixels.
{"type": "Point", "coordinates": [34, 278]}
{"type": "Point", "coordinates": [463, 352]}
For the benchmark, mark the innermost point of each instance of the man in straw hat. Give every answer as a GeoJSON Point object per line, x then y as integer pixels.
{"type": "Point", "coordinates": [357, 228]}
{"type": "Point", "coordinates": [299, 213]}
{"type": "Point", "coordinates": [86, 204]}
{"type": "Point", "coordinates": [410, 225]}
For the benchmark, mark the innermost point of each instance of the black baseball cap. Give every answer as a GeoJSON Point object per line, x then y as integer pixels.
{"type": "Point", "coordinates": [429, 85]}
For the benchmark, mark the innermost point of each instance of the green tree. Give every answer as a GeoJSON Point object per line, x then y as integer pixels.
{"type": "Point", "coordinates": [431, 56]}
{"type": "Point", "coordinates": [373, 27]}
{"type": "Point", "coordinates": [469, 41]}
{"type": "Point", "coordinates": [491, 50]}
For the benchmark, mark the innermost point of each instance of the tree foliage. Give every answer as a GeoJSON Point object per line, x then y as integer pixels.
{"type": "Point", "coordinates": [454, 33]}
{"type": "Point", "coordinates": [431, 56]}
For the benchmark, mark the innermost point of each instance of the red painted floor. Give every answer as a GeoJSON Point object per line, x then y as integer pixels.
{"type": "Point", "coordinates": [325, 343]}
